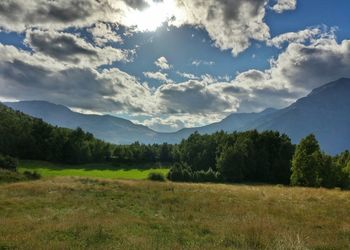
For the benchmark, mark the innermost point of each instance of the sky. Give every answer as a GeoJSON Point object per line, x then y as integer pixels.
{"type": "Point", "coordinates": [170, 64]}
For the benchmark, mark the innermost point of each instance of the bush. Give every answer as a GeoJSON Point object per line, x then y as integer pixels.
{"type": "Point", "coordinates": [156, 177]}
{"type": "Point", "coordinates": [180, 172]}
{"type": "Point", "coordinates": [207, 176]}
{"type": "Point", "coordinates": [8, 163]}
{"type": "Point", "coordinates": [31, 175]}
{"type": "Point", "coordinates": [7, 176]}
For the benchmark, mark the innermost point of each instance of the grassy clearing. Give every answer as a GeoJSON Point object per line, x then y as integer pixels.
{"type": "Point", "coordinates": [85, 213]}
{"type": "Point", "coordinates": [135, 172]}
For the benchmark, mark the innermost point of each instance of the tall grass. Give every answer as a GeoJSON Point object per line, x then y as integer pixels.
{"type": "Point", "coordinates": [78, 213]}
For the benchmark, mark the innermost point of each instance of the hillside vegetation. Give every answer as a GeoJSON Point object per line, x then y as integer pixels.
{"type": "Point", "coordinates": [76, 213]}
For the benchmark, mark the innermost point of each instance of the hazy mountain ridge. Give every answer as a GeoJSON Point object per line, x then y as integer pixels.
{"type": "Point", "coordinates": [106, 127]}
{"type": "Point", "coordinates": [324, 112]}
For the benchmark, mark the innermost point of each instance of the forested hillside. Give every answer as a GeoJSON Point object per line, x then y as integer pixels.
{"type": "Point", "coordinates": [30, 138]}
{"type": "Point", "coordinates": [26, 137]}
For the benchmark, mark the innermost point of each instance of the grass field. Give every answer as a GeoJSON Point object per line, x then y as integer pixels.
{"type": "Point", "coordinates": [135, 172]}
{"type": "Point", "coordinates": [86, 213]}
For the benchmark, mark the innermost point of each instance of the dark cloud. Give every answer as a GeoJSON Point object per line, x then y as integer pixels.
{"type": "Point", "coordinates": [61, 46]}
{"type": "Point", "coordinates": [19, 14]}
{"type": "Point", "coordinates": [233, 8]}
{"type": "Point", "coordinates": [195, 97]}
{"type": "Point", "coordinates": [137, 4]}
{"type": "Point", "coordinates": [30, 78]}
{"type": "Point", "coordinates": [70, 48]}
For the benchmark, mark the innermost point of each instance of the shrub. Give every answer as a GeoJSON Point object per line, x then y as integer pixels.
{"type": "Point", "coordinates": [156, 177]}
{"type": "Point", "coordinates": [180, 172]}
{"type": "Point", "coordinates": [207, 176]}
{"type": "Point", "coordinates": [31, 175]}
{"type": "Point", "coordinates": [7, 176]}
{"type": "Point", "coordinates": [9, 163]}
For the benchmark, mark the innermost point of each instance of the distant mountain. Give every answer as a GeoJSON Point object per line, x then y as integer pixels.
{"type": "Point", "coordinates": [324, 112]}
{"type": "Point", "coordinates": [122, 131]}
{"type": "Point", "coordinates": [105, 127]}
{"type": "Point", "coordinates": [233, 122]}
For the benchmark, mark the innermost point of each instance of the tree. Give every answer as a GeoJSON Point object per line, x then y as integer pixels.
{"type": "Point", "coordinates": [306, 162]}
{"type": "Point", "coordinates": [231, 164]}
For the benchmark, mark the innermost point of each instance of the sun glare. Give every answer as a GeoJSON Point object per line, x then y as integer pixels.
{"type": "Point", "coordinates": [153, 16]}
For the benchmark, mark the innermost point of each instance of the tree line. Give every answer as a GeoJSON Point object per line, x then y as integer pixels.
{"type": "Point", "coordinates": [266, 157]}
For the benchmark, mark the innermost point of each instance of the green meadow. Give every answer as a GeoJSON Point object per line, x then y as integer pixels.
{"type": "Point", "coordinates": [98, 170]}
{"type": "Point", "coordinates": [86, 213]}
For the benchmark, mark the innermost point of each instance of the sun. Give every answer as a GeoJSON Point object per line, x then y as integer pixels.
{"type": "Point", "coordinates": [153, 16]}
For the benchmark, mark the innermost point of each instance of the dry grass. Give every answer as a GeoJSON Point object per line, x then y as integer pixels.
{"type": "Point", "coordinates": [76, 213]}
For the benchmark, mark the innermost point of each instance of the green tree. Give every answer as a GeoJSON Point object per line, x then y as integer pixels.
{"type": "Point", "coordinates": [231, 164]}
{"type": "Point", "coordinates": [307, 163]}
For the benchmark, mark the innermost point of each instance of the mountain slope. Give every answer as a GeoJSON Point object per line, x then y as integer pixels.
{"type": "Point", "coordinates": [324, 112]}
{"type": "Point", "coordinates": [106, 127]}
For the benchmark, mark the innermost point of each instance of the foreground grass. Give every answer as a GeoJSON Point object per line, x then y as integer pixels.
{"type": "Point", "coordinates": [82, 213]}
{"type": "Point", "coordinates": [135, 172]}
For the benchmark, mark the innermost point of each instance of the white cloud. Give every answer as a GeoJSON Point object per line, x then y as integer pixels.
{"type": "Point", "coordinates": [188, 75]}
{"type": "Point", "coordinates": [103, 33]}
{"type": "Point", "coordinates": [295, 37]}
{"type": "Point", "coordinates": [201, 62]}
{"type": "Point", "coordinates": [158, 76]}
{"type": "Point", "coordinates": [162, 63]}
{"type": "Point", "coordinates": [231, 24]}
{"type": "Point", "coordinates": [293, 74]}
{"type": "Point", "coordinates": [177, 122]}
{"type": "Point", "coordinates": [284, 5]}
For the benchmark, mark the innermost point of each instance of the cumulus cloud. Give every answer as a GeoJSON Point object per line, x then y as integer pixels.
{"type": "Point", "coordinates": [284, 5]}
{"type": "Point", "coordinates": [232, 24]}
{"type": "Point", "coordinates": [158, 76]}
{"type": "Point", "coordinates": [71, 49]}
{"type": "Point", "coordinates": [293, 74]}
{"type": "Point", "coordinates": [104, 33]}
{"type": "Point", "coordinates": [162, 63]}
{"type": "Point", "coordinates": [177, 122]}
{"type": "Point", "coordinates": [30, 76]}
{"type": "Point", "coordinates": [188, 75]}
{"type": "Point", "coordinates": [18, 15]}
{"type": "Point", "coordinates": [195, 97]}
{"type": "Point", "coordinates": [295, 37]}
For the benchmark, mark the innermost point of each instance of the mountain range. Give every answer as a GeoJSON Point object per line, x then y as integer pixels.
{"type": "Point", "coordinates": [324, 112]}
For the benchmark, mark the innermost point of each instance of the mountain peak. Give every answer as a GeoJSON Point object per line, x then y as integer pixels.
{"type": "Point", "coordinates": [39, 104]}
{"type": "Point", "coordinates": [337, 85]}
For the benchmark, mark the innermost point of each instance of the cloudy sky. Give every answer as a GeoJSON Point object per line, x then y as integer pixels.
{"type": "Point", "coordinates": [170, 64]}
